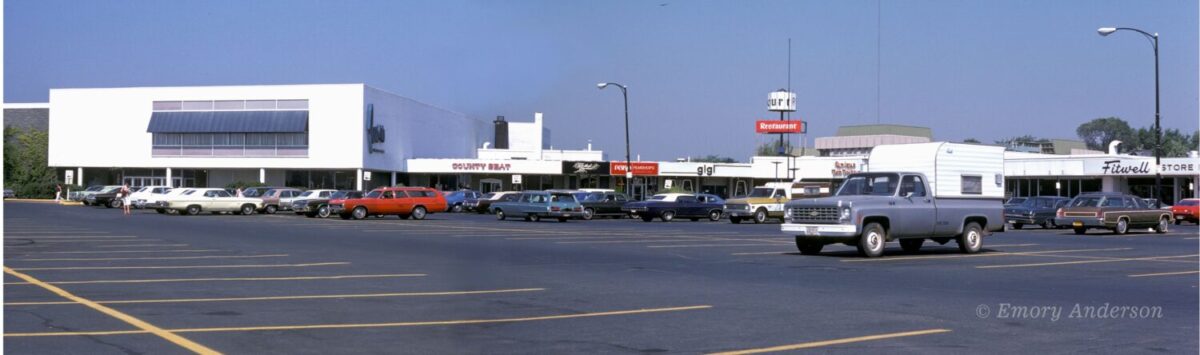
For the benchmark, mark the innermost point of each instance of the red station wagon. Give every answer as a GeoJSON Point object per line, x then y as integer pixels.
{"type": "Point", "coordinates": [414, 202]}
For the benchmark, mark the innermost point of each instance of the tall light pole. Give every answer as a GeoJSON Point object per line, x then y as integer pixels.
{"type": "Point", "coordinates": [1153, 37]}
{"type": "Point", "coordinates": [628, 162]}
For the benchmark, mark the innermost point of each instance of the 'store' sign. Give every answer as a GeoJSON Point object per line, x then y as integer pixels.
{"type": "Point", "coordinates": [768, 126]}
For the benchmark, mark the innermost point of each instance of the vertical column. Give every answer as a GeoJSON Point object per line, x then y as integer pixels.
{"type": "Point", "coordinates": [393, 179]}
{"type": "Point", "coordinates": [358, 179]}
{"type": "Point", "coordinates": [168, 181]}
{"type": "Point", "coordinates": [79, 177]}
{"type": "Point", "coordinates": [262, 175]}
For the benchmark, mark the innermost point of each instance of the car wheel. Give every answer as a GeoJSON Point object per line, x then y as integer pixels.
{"type": "Point", "coordinates": [1018, 225]}
{"type": "Point", "coordinates": [714, 215]}
{"type": "Point", "coordinates": [359, 212]}
{"type": "Point", "coordinates": [323, 211]}
{"type": "Point", "coordinates": [870, 243]}
{"type": "Point", "coordinates": [562, 219]}
{"type": "Point", "coordinates": [760, 216]}
{"type": "Point", "coordinates": [193, 209]}
{"type": "Point", "coordinates": [1162, 226]}
{"type": "Point", "coordinates": [500, 214]}
{"type": "Point", "coordinates": [911, 245]}
{"type": "Point", "coordinates": [1122, 226]}
{"type": "Point", "coordinates": [418, 213]}
{"type": "Point", "coordinates": [735, 220]}
{"type": "Point", "coordinates": [647, 219]}
{"type": "Point", "coordinates": [588, 213]}
{"type": "Point", "coordinates": [115, 204]}
{"type": "Point", "coordinates": [1048, 224]}
{"type": "Point", "coordinates": [534, 218]}
{"type": "Point", "coordinates": [270, 209]}
{"type": "Point", "coordinates": [457, 208]}
{"type": "Point", "coordinates": [1080, 230]}
{"type": "Point", "coordinates": [807, 247]}
{"type": "Point", "coordinates": [247, 210]}
{"type": "Point", "coordinates": [667, 216]}
{"type": "Point", "coordinates": [971, 241]}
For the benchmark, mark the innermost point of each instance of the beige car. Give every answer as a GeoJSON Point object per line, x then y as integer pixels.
{"type": "Point", "coordinates": [199, 200]}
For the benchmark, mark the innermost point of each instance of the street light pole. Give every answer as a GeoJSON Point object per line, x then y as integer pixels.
{"type": "Point", "coordinates": [628, 161]}
{"type": "Point", "coordinates": [1105, 31]}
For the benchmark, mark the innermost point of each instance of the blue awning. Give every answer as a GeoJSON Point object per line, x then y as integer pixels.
{"type": "Point", "coordinates": [229, 122]}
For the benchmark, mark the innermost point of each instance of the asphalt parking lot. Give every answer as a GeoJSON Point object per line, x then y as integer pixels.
{"type": "Point", "coordinates": [89, 280]}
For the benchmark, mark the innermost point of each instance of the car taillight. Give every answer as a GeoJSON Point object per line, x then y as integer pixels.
{"type": "Point", "coordinates": [554, 209]}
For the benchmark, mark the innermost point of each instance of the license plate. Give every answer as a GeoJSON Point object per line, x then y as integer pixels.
{"type": "Point", "coordinates": [810, 230]}
{"type": "Point", "coordinates": [1077, 224]}
{"type": "Point", "coordinates": [1179, 217]}
{"type": "Point", "coordinates": [1012, 222]}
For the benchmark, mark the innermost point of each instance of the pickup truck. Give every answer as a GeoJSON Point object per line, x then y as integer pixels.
{"type": "Point", "coordinates": [766, 202]}
{"type": "Point", "coordinates": [957, 195]}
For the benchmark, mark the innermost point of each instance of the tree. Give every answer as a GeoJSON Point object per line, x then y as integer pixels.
{"type": "Point", "coordinates": [1099, 132]}
{"type": "Point", "coordinates": [1022, 140]}
{"type": "Point", "coordinates": [10, 150]}
{"type": "Point", "coordinates": [31, 177]}
{"type": "Point", "coordinates": [771, 148]}
{"type": "Point", "coordinates": [712, 158]}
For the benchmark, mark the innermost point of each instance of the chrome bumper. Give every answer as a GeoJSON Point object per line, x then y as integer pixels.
{"type": "Point", "coordinates": [819, 230]}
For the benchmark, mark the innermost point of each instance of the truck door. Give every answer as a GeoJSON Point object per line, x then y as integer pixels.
{"type": "Point", "coordinates": [916, 215]}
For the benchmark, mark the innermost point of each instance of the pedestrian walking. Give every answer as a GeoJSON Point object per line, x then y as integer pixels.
{"type": "Point", "coordinates": [57, 192]}
{"type": "Point", "coordinates": [239, 191]}
{"type": "Point", "coordinates": [124, 195]}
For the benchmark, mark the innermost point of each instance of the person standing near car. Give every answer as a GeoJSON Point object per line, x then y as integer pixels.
{"type": "Point", "coordinates": [124, 196]}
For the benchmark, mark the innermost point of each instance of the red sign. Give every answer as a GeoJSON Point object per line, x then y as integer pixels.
{"type": "Point", "coordinates": [639, 168]}
{"type": "Point", "coordinates": [768, 126]}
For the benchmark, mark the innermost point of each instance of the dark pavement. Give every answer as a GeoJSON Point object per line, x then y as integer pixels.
{"type": "Point", "coordinates": [466, 283]}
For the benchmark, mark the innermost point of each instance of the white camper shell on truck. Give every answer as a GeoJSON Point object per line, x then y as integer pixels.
{"type": "Point", "coordinates": [911, 193]}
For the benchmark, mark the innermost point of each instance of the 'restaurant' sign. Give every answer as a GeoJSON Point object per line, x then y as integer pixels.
{"type": "Point", "coordinates": [769, 126]}
{"type": "Point", "coordinates": [639, 168]}
{"type": "Point", "coordinates": [585, 167]}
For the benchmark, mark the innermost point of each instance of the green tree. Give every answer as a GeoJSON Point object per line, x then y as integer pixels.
{"type": "Point", "coordinates": [10, 150]}
{"type": "Point", "coordinates": [771, 148]}
{"type": "Point", "coordinates": [1099, 132]}
{"type": "Point", "coordinates": [31, 177]}
{"type": "Point", "coordinates": [1022, 140]}
{"type": "Point", "coordinates": [712, 158]}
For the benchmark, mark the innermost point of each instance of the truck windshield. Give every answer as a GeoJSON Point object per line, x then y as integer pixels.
{"type": "Point", "coordinates": [872, 185]}
{"type": "Point", "coordinates": [761, 192]}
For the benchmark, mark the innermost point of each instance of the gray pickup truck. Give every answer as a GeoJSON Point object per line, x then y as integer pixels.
{"type": "Point", "coordinates": [870, 209]}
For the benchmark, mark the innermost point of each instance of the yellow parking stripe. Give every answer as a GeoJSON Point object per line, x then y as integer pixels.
{"type": "Point", "coordinates": [278, 298]}
{"type": "Point", "coordinates": [145, 327]}
{"type": "Point", "coordinates": [1167, 273]}
{"type": "Point", "coordinates": [160, 258]}
{"type": "Point", "coordinates": [817, 344]}
{"type": "Point", "coordinates": [177, 267]}
{"type": "Point", "coordinates": [206, 279]}
{"type": "Point", "coordinates": [376, 325]}
{"type": "Point", "coordinates": [1083, 262]}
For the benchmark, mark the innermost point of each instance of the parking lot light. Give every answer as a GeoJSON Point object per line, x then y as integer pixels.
{"type": "Point", "coordinates": [628, 161]}
{"type": "Point", "coordinates": [1153, 37]}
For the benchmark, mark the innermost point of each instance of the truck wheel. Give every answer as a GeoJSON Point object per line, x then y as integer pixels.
{"type": "Point", "coordinates": [193, 209]}
{"type": "Point", "coordinates": [1122, 226]}
{"type": "Point", "coordinates": [323, 211]}
{"type": "Point", "coordinates": [270, 209]}
{"type": "Point", "coordinates": [667, 216]}
{"type": "Point", "coordinates": [870, 243]}
{"type": "Point", "coordinates": [760, 216]}
{"type": "Point", "coordinates": [1018, 225]}
{"type": "Point", "coordinates": [1080, 230]}
{"type": "Point", "coordinates": [714, 215]}
{"type": "Point", "coordinates": [911, 245]}
{"type": "Point", "coordinates": [588, 213]}
{"type": "Point", "coordinates": [735, 220]}
{"type": "Point", "coordinates": [359, 212]}
{"type": "Point", "coordinates": [807, 247]}
{"type": "Point", "coordinates": [1162, 226]}
{"type": "Point", "coordinates": [247, 210]}
{"type": "Point", "coordinates": [972, 239]}
{"type": "Point", "coordinates": [160, 210]}
{"type": "Point", "coordinates": [418, 213]}
{"type": "Point", "coordinates": [500, 214]}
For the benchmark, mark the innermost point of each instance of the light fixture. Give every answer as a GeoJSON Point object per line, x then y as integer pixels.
{"type": "Point", "coordinates": [602, 85]}
{"type": "Point", "coordinates": [1104, 31]}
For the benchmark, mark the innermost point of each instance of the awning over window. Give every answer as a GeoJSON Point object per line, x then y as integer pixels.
{"type": "Point", "coordinates": [229, 122]}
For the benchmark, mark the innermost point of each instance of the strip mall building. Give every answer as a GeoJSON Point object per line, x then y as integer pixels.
{"type": "Point", "coordinates": [353, 136]}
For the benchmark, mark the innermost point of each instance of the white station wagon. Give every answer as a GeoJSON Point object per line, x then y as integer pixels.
{"type": "Point", "coordinates": [213, 200]}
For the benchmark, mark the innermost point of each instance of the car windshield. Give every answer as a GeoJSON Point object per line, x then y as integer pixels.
{"type": "Point", "coordinates": [562, 197]}
{"type": "Point", "coordinates": [251, 192]}
{"type": "Point", "coordinates": [580, 196]}
{"type": "Point", "coordinates": [1015, 201]}
{"type": "Point", "coordinates": [374, 194]}
{"type": "Point", "coordinates": [110, 189]}
{"type": "Point", "coordinates": [1087, 201]}
{"type": "Point", "coordinates": [595, 196]}
{"type": "Point", "coordinates": [761, 192]}
{"type": "Point", "coordinates": [873, 185]}
{"type": "Point", "coordinates": [338, 195]}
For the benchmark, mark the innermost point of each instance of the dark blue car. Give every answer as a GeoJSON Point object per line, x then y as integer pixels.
{"type": "Point", "coordinates": [456, 200]}
{"type": "Point", "coordinates": [1039, 210]}
{"type": "Point", "coordinates": [669, 206]}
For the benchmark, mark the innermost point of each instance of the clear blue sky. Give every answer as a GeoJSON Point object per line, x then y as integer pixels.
{"type": "Point", "coordinates": [698, 71]}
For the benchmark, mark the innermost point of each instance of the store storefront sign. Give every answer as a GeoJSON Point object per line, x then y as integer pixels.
{"type": "Point", "coordinates": [584, 168]}
{"type": "Point", "coordinates": [843, 168]}
{"type": "Point", "coordinates": [482, 166]}
{"type": "Point", "coordinates": [774, 126]}
{"type": "Point", "coordinates": [640, 168]}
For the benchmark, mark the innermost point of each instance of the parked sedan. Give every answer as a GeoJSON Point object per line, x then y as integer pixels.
{"type": "Point", "coordinates": [312, 203]}
{"type": "Point", "coordinates": [456, 200]}
{"type": "Point", "coordinates": [106, 197]}
{"type": "Point", "coordinates": [278, 199]}
{"type": "Point", "coordinates": [1113, 211]}
{"type": "Point", "coordinates": [600, 204]}
{"type": "Point", "coordinates": [1039, 210]}
{"type": "Point", "coordinates": [83, 195]}
{"type": "Point", "coordinates": [533, 205]}
{"type": "Point", "coordinates": [1187, 209]}
{"type": "Point", "coordinates": [482, 203]}
{"type": "Point", "coordinates": [405, 202]}
{"type": "Point", "coordinates": [195, 201]}
{"type": "Point", "coordinates": [669, 206]}
{"type": "Point", "coordinates": [8, 193]}
{"type": "Point", "coordinates": [148, 195]}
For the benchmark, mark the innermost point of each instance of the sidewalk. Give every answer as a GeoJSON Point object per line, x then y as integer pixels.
{"type": "Point", "coordinates": [44, 200]}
